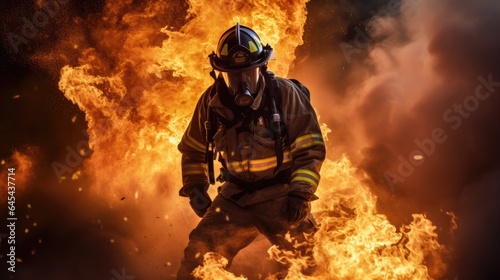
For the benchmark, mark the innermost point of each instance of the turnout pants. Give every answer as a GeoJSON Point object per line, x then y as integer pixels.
{"type": "Point", "coordinates": [227, 228]}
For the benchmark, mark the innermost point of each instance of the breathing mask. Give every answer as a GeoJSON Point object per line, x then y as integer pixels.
{"type": "Point", "coordinates": [243, 85]}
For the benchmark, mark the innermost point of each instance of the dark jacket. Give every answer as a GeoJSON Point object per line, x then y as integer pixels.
{"type": "Point", "coordinates": [249, 154]}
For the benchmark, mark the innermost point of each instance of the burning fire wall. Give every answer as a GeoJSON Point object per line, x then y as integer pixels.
{"type": "Point", "coordinates": [96, 96]}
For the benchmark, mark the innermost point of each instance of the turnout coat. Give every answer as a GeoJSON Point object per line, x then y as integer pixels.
{"type": "Point", "coordinates": [247, 147]}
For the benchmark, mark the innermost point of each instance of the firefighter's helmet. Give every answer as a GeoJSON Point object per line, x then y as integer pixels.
{"type": "Point", "coordinates": [239, 48]}
{"type": "Point", "coordinates": [239, 56]}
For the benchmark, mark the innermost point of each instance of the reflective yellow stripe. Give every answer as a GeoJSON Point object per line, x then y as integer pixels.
{"type": "Point", "coordinates": [307, 140]}
{"type": "Point", "coordinates": [198, 166]}
{"type": "Point", "coordinates": [191, 142]}
{"type": "Point", "coordinates": [306, 171]}
{"type": "Point", "coordinates": [305, 179]}
{"type": "Point", "coordinates": [272, 165]}
{"type": "Point", "coordinates": [305, 175]}
{"type": "Point", "coordinates": [193, 168]}
{"type": "Point", "coordinates": [193, 173]}
{"type": "Point", "coordinates": [263, 161]}
{"type": "Point", "coordinates": [257, 165]}
{"type": "Point", "coordinates": [194, 165]}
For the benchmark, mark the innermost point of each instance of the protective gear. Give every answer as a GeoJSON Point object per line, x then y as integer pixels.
{"type": "Point", "coordinates": [250, 154]}
{"type": "Point", "coordinates": [227, 228]}
{"type": "Point", "coordinates": [296, 208]}
{"type": "Point", "coordinates": [239, 56]}
{"type": "Point", "coordinates": [246, 142]}
{"type": "Point", "coordinates": [199, 199]}
{"type": "Point", "coordinates": [242, 85]}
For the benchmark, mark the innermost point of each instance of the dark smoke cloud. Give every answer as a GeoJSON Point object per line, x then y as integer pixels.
{"type": "Point", "coordinates": [411, 89]}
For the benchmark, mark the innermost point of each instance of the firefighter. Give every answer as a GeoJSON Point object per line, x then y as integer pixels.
{"type": "Point", "coordinates": [268, 140]}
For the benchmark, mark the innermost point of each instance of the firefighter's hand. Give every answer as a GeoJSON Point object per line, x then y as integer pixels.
{"type": "Point", "coordinates": [199, 200]}
{"type": "Point", "coordinates": [296, 208]}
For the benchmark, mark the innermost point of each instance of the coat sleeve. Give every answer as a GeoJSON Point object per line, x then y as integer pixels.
{"type": "Point", "coordinates": [193, 148]}
{"type": "Point", "coordinates": [305, 139]}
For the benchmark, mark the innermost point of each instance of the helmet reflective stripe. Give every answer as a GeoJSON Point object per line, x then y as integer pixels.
{"type": "Point", "coordinates": [252, 47]}
{"type": "Point", "coordinates": [224, 50]}
{"type": "Point", "coordinates": [257, 40]}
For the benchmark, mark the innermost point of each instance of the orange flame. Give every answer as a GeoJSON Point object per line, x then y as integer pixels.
{"type": "Point", "coordinates": [213, 268]}
{"type": "Point", "coordinates": [138, 106]}
{"type": "Point", "coordinates": [354, 241]}
{"type": "Point", "coordinates": [138, 89]}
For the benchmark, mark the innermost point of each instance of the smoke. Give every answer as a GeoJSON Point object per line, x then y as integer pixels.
{"type": "Point", "coordinates": [413, 93]}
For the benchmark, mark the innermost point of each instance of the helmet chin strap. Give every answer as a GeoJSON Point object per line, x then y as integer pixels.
{"type": "Point", "coordinates": [212, 74]}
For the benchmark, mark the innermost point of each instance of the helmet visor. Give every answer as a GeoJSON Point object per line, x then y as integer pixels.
{"type": "Point", "coordinates": [240, 80]}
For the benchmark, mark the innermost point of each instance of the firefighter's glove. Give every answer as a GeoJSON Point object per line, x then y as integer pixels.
{"type": "Point", "coordinates": [199, 199]}
{"type": "Point", "coordinates": [296, 208]}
